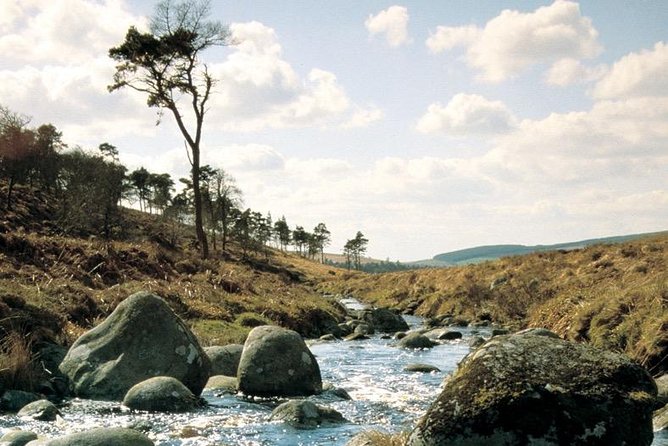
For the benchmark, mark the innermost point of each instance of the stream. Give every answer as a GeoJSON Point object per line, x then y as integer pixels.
{"type": "Point", "coordinates": [384, 397]}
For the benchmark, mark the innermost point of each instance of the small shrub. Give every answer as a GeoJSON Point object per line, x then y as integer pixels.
{"type": "Point", "coordinates": [596, 255]}
{"type": "Point", "coordinates": [628, 251]}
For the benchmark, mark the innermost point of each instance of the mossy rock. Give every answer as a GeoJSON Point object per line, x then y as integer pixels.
{"type": "Point", "coordinates": [529, 389]}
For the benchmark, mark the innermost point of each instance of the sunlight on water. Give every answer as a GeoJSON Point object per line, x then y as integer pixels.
{"type": "Point", "coordinates": [372, 371]}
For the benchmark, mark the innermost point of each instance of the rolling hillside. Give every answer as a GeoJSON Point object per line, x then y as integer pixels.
{"type": "Point", "coordinates": [492, 252]}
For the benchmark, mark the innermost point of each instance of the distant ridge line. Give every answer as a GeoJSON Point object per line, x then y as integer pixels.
{"type": "Point", "coordinates": [492, 252]}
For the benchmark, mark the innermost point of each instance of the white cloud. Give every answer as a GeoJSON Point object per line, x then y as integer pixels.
{"type": "Point", "coordinates": [244, 157]}
{"type": "Point", "coordinates": [568, 71]}
{"type": "Point", "coordinates": [363, 117]}
{"type": "Point", "coordinates": [615, 141]}
{"type": "Point", "coordinates": [259, 89]}
{"type": "Point", "coordinates": [467, 115]}
{"type": "Point", "coordinates": [448, 37]}
{"type": "Point", "coordinates": [53, 32]}
{"type": "Point", "coordinates": [392, 22]}
{"type": "Point", "coordinates": [514, 41]}
{"type": "Point", "coordinates": [637, 74]}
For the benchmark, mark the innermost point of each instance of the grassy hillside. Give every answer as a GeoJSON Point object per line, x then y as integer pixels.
{"type": "Point", "coordinates": [614, 296]}
{"type": "Point", "coordinates": [493, 252]}
{"type": "Point", "coordinates": [54, 287]}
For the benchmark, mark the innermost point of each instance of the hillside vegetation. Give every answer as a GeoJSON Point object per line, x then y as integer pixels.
{"type": "Point", "coordinates": [614, 296]}
{"type": "Point", "coordinates": [53, 287]}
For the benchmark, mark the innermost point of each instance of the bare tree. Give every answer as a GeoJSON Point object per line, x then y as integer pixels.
{"type": "Point", "coordinates": [165, 65]}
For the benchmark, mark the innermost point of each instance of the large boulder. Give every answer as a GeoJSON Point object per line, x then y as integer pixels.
{"type": "Point", "coordinates": [384, 320]}
{"type": "Point", "coordinates": [527, 389]}
{"type": "Point", "coordinates": [160, 394]}
{"type": "Point", "coordinates": [40, 410]}
{"type": "Point", "coordinates": [141, 339]}
{"type": "Point", "coordinates": [224, 359]}
{"type": "Point", "coordinates": [416, 341]}
{"type": "Point", "coordinates": [276, 362]}
{"type": "Point", "coordinates": [17, 438]}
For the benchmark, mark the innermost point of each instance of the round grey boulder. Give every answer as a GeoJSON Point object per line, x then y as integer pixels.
{"type": "Point", "coordinates": [40, 410]}
{"type": "Point", "coordinates": [17, 438]}
{"type": "Point", "coordinates": [223, 384]}
{"type": "Point", "coordinates": [518, 390]}
{"type": "Point", "coordinates": [385, 320]}
{"type": "Point", "coordinates": [141, 339]}
{"type": "Point", "coordinates": [103, 437]}
{"type": "Point", "coordinates": [276, 362]}
{"type": "Point", "coordinates": [304, 414]}
{"type": "Point", "coordinates": [160, 394]}
{"type": "Point", "coordinates": [415, 341]}
{"type": "Point", "coordinates": [224, 359]}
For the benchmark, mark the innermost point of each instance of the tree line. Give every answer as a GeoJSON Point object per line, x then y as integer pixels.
{"type": "Point", "coordinates": [90, 187]}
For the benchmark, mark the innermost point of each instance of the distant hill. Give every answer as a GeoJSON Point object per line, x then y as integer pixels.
{"type": "Point", "coordinates": [493, 252]}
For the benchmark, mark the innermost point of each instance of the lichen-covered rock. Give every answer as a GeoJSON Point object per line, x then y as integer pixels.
{"type": "Point", "coordinates": [222, 383]}
{"type": "Point", "coordinates": [103, 437]}
{"type": "Point", "coordinates": [276, 362]}
{"type": "Point", "coordinates": [40, 410]}
{"type": "Point", "coordinates": [17, 438]}
{"type": "Point", "coordinates": [415, 341]}
{"type": "Point", "coordinates": [303, 414]}
{"type": "Point", "coordinates": [224, 359]}
{"type": "Point", "coordinates": [527, 389]}
{"type": "Point", "coordinates": [141, 339]}
{"type": "Point", "coordinates": [385, 320]}
{"type": "Point", "coordinates": [160, 394]}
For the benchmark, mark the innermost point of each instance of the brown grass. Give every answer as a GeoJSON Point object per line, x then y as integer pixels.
{"type": "Point", "coordinates": [378, 438]}
{"type": "Point", "coordinates": [58, 286]}
{"type": "Point", "coordinates": [614, 296]}
{"type": "Point", "coordinates": [18, 369]}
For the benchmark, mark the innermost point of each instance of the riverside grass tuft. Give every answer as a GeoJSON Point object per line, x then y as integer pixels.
{"type": "Point", "coordinates": [18, 368]}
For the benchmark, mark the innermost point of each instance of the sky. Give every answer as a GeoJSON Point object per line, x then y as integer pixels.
{"type": "Point", "coordinates": [428, 126]}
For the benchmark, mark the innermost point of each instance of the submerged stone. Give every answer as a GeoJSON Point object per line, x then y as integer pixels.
{"type": "Point", "coordinates": [304, 414]}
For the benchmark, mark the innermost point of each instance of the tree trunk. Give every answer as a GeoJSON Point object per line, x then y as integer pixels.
{"type": "Point", "coordinates": [10, 187]}
{"type": "Point", "coordinates": [199, 227]}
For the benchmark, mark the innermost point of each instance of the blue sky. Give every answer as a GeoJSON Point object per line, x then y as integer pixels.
{"type": "Point", "coordinates": [429, 126]}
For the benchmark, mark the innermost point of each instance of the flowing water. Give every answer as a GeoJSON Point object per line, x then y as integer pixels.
{"type": "Point", "coordinates": [384, 397]}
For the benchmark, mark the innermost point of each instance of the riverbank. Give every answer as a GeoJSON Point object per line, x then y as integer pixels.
{"type": "Point", "coordinates": [612, 296]}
